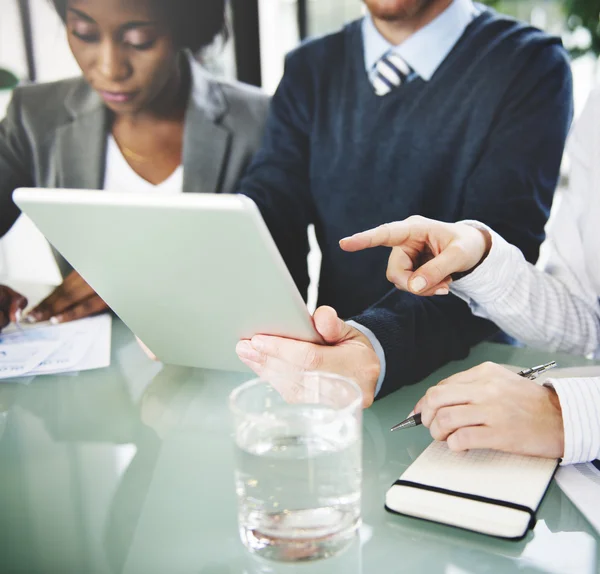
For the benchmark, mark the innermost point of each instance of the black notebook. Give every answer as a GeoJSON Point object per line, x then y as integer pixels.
{"type": "Point", "coordinates": [481, 490]}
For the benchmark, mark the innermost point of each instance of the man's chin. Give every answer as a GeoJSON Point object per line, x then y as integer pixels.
{"type": "Point", "coordinates": [397, 11]}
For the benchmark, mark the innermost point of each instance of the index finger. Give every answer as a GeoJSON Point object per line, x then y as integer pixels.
{"type": "Point", "coordinates": [472, 375]}
{"type": "Point", "coordinates": [388, 235]}
{"type": "Point", "coordinates": [71, 291]}
{"type": "Point", "coordinates": [445, 396]}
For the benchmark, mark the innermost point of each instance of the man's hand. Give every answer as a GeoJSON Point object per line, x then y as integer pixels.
{"type": "Point", "coordinates": [425, 252]}
{"type": "Point", "coordinates": [11, 306]}
{"type": "Point", "coordinates": [491, 407]}
{"type": "Point", "coordinates": [347, 352]}
{"type": "Point", "coordinates": [74, 299]}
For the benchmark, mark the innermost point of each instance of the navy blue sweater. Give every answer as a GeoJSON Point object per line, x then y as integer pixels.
{"type": "Point", "coordinates": [483, 139]}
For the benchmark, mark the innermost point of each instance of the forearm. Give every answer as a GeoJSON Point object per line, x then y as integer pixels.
{"type": "Point", "coordinates": [277, 179]}
{"type": "Point", "coordinates": [528, 304]}
{"type": "Point", "coordinates": [419, 335]}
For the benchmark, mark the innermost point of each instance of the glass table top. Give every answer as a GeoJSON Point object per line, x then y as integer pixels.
{"type": "Point", "coordinates": [129, 469]}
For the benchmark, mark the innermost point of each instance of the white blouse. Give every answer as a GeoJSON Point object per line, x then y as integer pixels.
{"type": "Point", "coordinates": [120, 176]}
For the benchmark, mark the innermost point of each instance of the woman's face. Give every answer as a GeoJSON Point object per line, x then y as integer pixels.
{"type": "Point", "coordinates": [124, 50]}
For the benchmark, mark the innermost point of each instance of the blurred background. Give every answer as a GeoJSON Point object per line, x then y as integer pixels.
{"type": "Point", "coordinates": [33, 47]}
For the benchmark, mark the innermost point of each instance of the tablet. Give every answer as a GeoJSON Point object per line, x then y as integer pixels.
{"type": "Point", "coordinates": [190, 274]}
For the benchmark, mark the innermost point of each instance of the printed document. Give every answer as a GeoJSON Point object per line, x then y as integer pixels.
{"type": "Point", "coordinates": [50, 349]}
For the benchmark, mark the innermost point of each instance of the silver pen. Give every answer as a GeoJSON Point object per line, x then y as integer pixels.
{"type": "Point", "coordinates": [531, 374]}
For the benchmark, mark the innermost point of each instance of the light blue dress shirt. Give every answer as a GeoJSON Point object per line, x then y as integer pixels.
{"type": "Point", "coordinates": [427, 48]}
{"type": "Point", "coordinates": [424, 52]}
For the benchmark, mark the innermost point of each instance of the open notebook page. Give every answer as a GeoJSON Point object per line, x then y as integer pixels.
{"type": "Point", "coordinates": [491, 474]}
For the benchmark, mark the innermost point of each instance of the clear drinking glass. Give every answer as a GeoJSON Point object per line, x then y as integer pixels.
{"type": "Point", "coordinates": [298, 465]}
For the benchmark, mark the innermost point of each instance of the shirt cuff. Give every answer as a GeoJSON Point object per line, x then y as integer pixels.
{"type": "Point", "coordinates": [580, 404]}
{"type": "Point", "coordinates": [376, 347]}
{"type": "Point", "coordinates": [491, 279]}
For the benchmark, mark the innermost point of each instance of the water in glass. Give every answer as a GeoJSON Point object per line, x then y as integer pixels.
{"type": "Point", "coordinates": [298, 480]}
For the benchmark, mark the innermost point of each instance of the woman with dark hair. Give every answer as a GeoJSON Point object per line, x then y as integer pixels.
{"type": "Point", "coordinates": [144, 117]}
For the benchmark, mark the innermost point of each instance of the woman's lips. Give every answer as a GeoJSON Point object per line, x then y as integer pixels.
{"type": "Point", "coordinates": [117, 97]}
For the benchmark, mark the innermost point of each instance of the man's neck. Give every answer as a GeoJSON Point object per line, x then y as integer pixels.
{"type": "Point", "coordinates": [397, 31]}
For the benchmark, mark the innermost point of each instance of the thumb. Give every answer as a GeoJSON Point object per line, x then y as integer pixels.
{"type": "Point", "coordinates": [330, 326]}
{"type": "Point", "coordinates": [436, 271]}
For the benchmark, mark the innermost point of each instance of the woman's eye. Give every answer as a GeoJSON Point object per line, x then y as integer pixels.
{"type": "Point", "coordinates": [84, 32]}
{"type": "Point", "coordinates": [139, 40]}
{"type": "Point", "coordinates": [89, 38]}
{"type": "Point", "coordinates": [144, 46]}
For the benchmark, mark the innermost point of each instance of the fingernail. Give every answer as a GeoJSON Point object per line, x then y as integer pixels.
{"type": "Point", "coordinates": [243, 348]}
{"type": "Point", "coordinates": [258, 344]}
{"type": "Point", "coordinates": [18, 315]}
{"type": "Point", "coordinates": [246, 352]}
{"type": "Point", "coordinates": [30, 319]}
{"type": "Point", "coordinates": [418, 284]}
{"type": "Point", "coordinates": [442, 291]}
{"type": "Point", "coordinates": [54, 320]}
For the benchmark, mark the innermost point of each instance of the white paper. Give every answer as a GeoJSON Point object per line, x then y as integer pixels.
{"type": "Point", "coordinates": [50, 349]}
{"type": "Point", "coordinates": [581, 483]}
{"type": "Point", "coordinates": [86, 345]}
{"type": "Point", "coordinates": [18, 359]}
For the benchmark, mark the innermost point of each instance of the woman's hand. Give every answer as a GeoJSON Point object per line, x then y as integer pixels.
{"type": "Point", "coordinates": [491, 407]}
{"type": "Point", "coordinates": [11, 306]}
{"type": "Point", "coordinates": [74, 299]}
{"type": "Point", "coordinates": [425, 252]}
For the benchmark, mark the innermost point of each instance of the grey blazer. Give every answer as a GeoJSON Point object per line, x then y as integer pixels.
{"type": "Point", "coordinates": [54, 135]}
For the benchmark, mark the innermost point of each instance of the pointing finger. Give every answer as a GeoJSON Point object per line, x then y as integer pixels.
{"type": "Point", "coordinates": [389, 234]}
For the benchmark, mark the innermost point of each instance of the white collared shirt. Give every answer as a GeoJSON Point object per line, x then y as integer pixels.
{"type": "Point", "coordinates": [425, 50]}
{"type": "Point", "coordinates": [557, 308]}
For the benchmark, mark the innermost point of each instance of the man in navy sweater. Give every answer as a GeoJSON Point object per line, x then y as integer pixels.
{"type": "Point", "coordinates": [438, 108]}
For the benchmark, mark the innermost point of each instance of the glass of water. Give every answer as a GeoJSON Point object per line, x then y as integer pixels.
{"type": "Point", "coordinates": [298, 465]}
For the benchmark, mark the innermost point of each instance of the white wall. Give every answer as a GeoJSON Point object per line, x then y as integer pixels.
{"type": "Point", "coordinates": [24, 253]}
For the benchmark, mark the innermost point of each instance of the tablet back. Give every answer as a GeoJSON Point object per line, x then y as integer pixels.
{"type": "Point", "coordinates": [190, 275]}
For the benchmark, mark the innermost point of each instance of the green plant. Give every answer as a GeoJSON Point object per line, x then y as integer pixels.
{"type": "Point", "coordinates": [7, 79]}
{"type": "Point", "coordinates": [578, 13]}
{"type": "Point", "coordinates": [585, 13]}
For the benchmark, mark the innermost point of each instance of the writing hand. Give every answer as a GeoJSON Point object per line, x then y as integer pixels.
{"type": "Point", "coordinates": [491, 407]}
{"type": "Point", "coordinates": [11, 306]}
{"type": "Point", "coordinates": [73, 299]}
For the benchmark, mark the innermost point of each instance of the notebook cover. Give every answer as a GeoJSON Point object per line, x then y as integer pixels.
{"type": "Point", "coordinates": [486, 500]}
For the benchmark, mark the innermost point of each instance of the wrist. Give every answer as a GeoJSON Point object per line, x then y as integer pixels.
{"type": "Point", "coordinates": [487, 247]}
{"type": "Point", "coordinates": [556, 416]}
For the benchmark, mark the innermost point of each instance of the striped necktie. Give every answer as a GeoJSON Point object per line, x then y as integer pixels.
{"type": "Point", "coordinates": [389, 73]}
